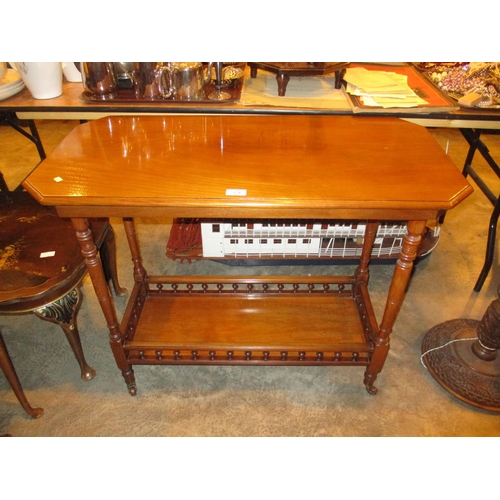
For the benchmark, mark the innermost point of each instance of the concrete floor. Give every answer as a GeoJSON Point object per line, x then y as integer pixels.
{"type": "Point", "coordinates": [267, 401]}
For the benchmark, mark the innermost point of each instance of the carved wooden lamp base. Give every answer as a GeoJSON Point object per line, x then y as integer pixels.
{"type": "Point", "coordinates": [457, 367]}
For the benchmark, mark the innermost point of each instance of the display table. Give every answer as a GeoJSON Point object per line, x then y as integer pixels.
{"type": "Point", "coordinates": [299, 167]}
{"type": "Point", "coordinates": [70, 106]}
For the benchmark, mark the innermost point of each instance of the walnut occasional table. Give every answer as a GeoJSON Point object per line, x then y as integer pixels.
{"type": "Point", "coordinates": [300, 167]}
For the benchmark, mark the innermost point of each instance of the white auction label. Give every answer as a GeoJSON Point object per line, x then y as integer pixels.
{"type": "Point", "coordinates": [43, 255]}
{"type": "Point", "coordinates": [236, 192]}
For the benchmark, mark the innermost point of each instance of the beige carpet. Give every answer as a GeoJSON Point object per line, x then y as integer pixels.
{"type": "Point", "coordinates": [252, 401]}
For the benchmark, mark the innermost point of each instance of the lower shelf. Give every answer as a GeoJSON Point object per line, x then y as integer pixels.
{"type": "Point", "coordinates": [249, 320]}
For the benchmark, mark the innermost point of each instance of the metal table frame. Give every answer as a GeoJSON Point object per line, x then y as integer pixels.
{"type": "Point", "coordinates": [473, 137]}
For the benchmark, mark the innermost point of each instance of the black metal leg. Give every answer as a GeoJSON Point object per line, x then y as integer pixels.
{"type": "Point", "coordinates": [468, 160]}
{"type": "Point", "coordinates": [490, 248]}
{"type": "Point", "coordinates": [473, 137]}
{"type": "Point", "coordinates": [34, 137]}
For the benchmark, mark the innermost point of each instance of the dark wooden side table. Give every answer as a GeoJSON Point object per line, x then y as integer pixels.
{"type": "Point", "coordinates": [285, 70]}
{"type": "Point", "coordinates": [41, 268]}
{"type": "Point", "coordinates": [277, 167]}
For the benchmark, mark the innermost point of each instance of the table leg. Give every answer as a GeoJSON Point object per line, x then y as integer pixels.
{"type": "Point", "coordinates": [96, 273]}
{"type": "Point", "coordinates": [362, 272]}
{"type": "Point", "coordinates": [108, 257]}
{"type": "Point", "coordinates": [63, 312]}
{"type": "Point", "coordinates": [34, 137]}
{"type": "Point", "coordinates": [133, 243]}
{"type": "Point", "coordinates": [473, 137]}
{"type": "Point", "coordinates": [282, 79]}
{"type": "Point", "coordinates": [395, 299]}
{"type": "Point", "coordinates": [339, 76]}
{"type": "Point", "coordinates": [10, 374]}
{"type": "Point", "coordinates": [490, 248]}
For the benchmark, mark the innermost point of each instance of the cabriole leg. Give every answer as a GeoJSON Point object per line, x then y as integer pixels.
{"type": "Point", "coordinates": [11, 376]}
{"type": "Point", "coordinates": [63, 312]}
{"type": "Point", "coordinates": [108, 256]}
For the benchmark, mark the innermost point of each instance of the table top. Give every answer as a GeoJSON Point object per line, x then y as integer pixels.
{"type": "Point", "coordinates": [69, 105]}
{"type": "Point", "coordinates": [294, 166]}
{"type": "Point", "coordinates": [38, 264]}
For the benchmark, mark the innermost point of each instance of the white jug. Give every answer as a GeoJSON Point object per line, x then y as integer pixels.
{"type": "Point", "coordinates": [43, 79]}
{"type": "Point", "coordinates": [71, 71]}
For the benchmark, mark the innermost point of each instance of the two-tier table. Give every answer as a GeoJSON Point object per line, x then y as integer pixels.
{"type": "Point", "coordinates": [261, 167]}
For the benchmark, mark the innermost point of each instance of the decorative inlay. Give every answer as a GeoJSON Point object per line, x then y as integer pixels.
{"type": "Point", "coordinates": [62, 310]}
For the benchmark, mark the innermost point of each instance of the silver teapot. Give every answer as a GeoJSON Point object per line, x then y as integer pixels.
{"type": "Point", "coordinates": [184, 81]}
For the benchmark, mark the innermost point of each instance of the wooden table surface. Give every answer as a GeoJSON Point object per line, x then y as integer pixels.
{"type": "Point", "coordinates": [288, 166]}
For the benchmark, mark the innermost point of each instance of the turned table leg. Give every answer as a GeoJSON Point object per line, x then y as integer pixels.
{"type": "Point", "coordinates": [96, 273]}
{"type": "Point", "coordinates": [135, 251]}
{"type": "Point", "coordinates": [362, 271]}
{"type": "Point", "coordinates": [11, 376]}
{"type": "Point", "coordinates": [395, 299]}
